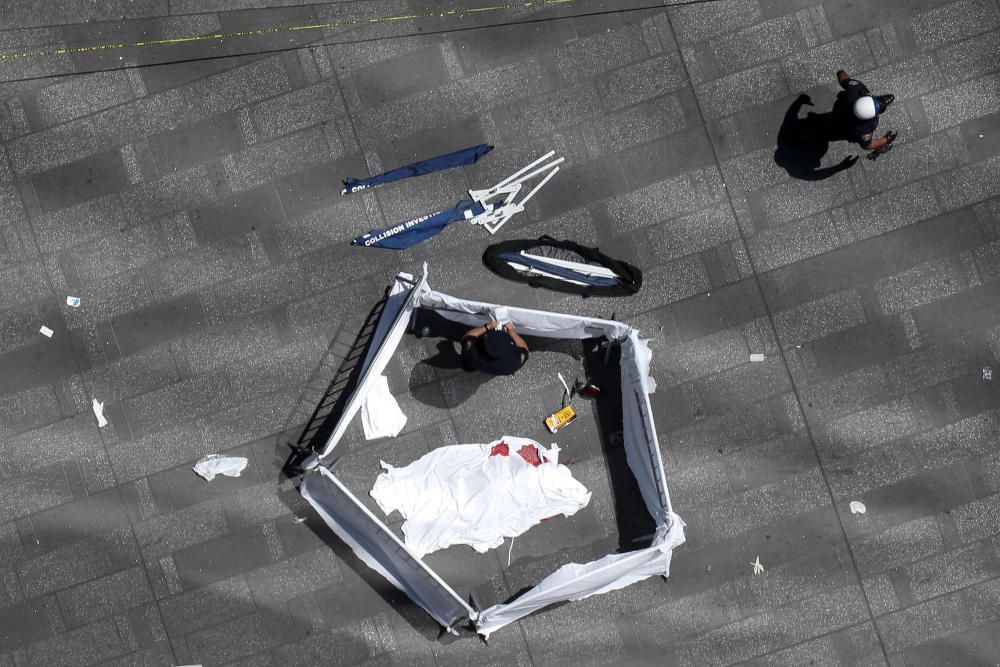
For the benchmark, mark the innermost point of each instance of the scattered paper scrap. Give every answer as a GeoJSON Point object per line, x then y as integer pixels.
{"type": "Point", "coordinates": [757, 567]}
{"type": "Point", "coordinates": [73, 301]}
{"type": "Point", "coordinates": [216, 464]}
{"type": "Point", "coordinates": [858, 507]}
{"type": "Point", "coordinates": [987, 373]}
{"type": "Point", "coordinates": [756, 357]}
{"type": "Point", "coordinates": [299, 518]}
{"type": "Point", "coordinates": [45, 331]}
{"type": "Point", "coordinates": [99, 413]}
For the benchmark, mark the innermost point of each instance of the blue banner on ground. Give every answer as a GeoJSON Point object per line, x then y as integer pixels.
{"type": "Point", "coordinates": [456, 159]}
{"type": "Point", "coordinates": [410, 233]}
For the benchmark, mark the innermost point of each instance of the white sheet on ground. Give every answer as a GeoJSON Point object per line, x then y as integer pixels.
{"type": "Point", "coordinates": [575, 581]}
{"type": "Point", "coordinates": [215, 464]}
{"type": "Point", "coordinates": [381, 416]}
{"type": "Point", "coordinates": [461, 494]}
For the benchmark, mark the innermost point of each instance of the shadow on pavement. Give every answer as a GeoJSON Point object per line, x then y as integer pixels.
{"type": "Point", "coordinates": [802, 143]}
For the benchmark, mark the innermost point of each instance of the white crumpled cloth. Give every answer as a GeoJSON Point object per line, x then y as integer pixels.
{"type": "Point", "coordinates": [460, 494]}
{"type": "Point", "coordinates": [215, 464]}
{"type": "Point", "coordinates": [380, 413]}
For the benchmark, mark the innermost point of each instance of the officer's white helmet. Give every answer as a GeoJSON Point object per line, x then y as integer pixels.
{"type": "Point", "coordinates": [865, 107]}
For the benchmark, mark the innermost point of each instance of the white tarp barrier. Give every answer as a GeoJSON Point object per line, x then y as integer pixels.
{"type": "Point", "coordinates": [639, 435]}
{"type": "Point", "coordinates": [642, 449]}
{"type": "Point", "coordinates": [477, 494]}
{"type": "Point", "coordinates": [575, 581]}
{"type": "Point", "coordinates": [388, 332]}
{"type": "Point", "coordinates": [380, 413]}
{"type": "Point", "coordinates": [380, 549]}
{"type": "Point", "coordinates": [528, 322]}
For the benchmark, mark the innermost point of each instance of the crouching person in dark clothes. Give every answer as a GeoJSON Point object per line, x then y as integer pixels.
{"type": "Point", "coordinates": [500, 351]}
{"type": "Point", "coordinates": [856, 113]}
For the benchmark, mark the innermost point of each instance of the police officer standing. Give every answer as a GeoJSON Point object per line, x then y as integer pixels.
{"type": "Point", "coordinates": [856, 113]}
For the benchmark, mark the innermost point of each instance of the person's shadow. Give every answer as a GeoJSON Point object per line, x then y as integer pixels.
{"type": "Point", "coordinates": [802, 143]}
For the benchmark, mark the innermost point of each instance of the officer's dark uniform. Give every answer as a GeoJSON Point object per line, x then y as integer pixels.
{"type": "Point", "coordinates": [850, 126]}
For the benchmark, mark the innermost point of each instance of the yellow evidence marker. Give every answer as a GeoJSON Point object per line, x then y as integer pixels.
{"type": "Point", "coordinates": [560, 418]}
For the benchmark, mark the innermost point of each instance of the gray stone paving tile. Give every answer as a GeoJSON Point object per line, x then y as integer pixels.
{"type": "Point", "coordinates": [65, 567]}
{"type": "Point", "coordinates": [97, 514]}
{"type": "Point", "coordinates": [974, 57]}
{"type": "Point", "coordinates": [642, 81]}
{"type": "Point", "coordinates": [601, 52]}
{"type": "Point", "coordinates": [81, 96]}
{"type": "Point", "coordinates": [451, 102]}
{"type": "Point", "coordinates": [126, 251]}
{"type": "Point", "coordinates": [954, 21]}
{"type": "Point", "coordinates": [861, 346]}
{"type": "Point", "coordinates": [104, 597]}
{"type": "Point", "coordinates": [974, 646]}
{"type": "Point", "coordinates": [919, 285]}
{"type": "Point", "coordinates": [198, 143]}
{"type": "Point", "coordinates": [398, 77]}
{"type": "Point", "coordinates": [38, 363]}
{"type": "Point", "coordinates": [237, 215]}
{"type": "Point", "coordinates": [965, 101]}
{"type": "Point", "coordinates": [238, 638]}
{"type": "Point", "coordinates": [261, 162]}
{"type": "Point", "coordinates": [221, 558]}
{"type": "Point", "coordinates": [89, 644]}
{"type": "Point", "coordinates": [669, 198]}
{"type": "Point", "coordinates": [174, 192]}
{"type": "Point", "coordinates": [28, 409]}
{"type": "Point", "coordinates": [735, 92]}
{"type": "Point", "coordinates": [213, 95]}
{"type": "Point", "coordinates": [940, 321]}
{"type": "Point", "coordinates": [694, 23]}
{"type": "Point", "coordinates": [22, 283]}
{"type": "Point", "coordinates": [171, 532]}
{"type": "Point", "coordinates": [77, 224]}
{"type": "Point", "coordinates": [301, 108]}
{"type": "Point", "coordinates": [819, 319]}
{"type": "Point", "coordinates": [791, 624]}
{"type": "Point", "coordinates": [773, 248]}
{"type": "Point", "coordinates": [349, 644]}
{"type": "Point", "coordinates": [23, 623]}
{"type": "Point", "coordinates": [156, 323]}
{"type": "Point", "coordinates": [923, 622]}
{"type": "Point", "coordinates": [79, 181]}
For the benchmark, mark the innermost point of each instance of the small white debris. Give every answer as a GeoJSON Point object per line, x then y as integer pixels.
{"type": "Point", "coordinates": [299, 519]}
{"type": "Point", "coordinates": [987, 373]}
{"type": "Point", "coordinates": [73, 301]}
{"type": "Point", "coordinates": [757, 567]}
{"type": "Point", "coordinates": [757, 357]}
{"type": "Point", "coordinates": [99, 413]}
{"type": "Point", "coordinates": [45, 331]}
{"type": "Point", "coordinates": [216, 464]}
{"type": "Point", "coordinates": [858, 507]}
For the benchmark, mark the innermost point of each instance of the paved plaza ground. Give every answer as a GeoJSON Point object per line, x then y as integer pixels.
{"type": "Point", "coordinates": [188, 191]}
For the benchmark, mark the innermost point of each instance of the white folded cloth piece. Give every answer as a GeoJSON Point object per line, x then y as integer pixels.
{"type": "Point", "coordinates": [381, 416]}
{"type": "Point", "coordinates": [477, 494]}
{"type": "Point", "coordinates": [216, 464]}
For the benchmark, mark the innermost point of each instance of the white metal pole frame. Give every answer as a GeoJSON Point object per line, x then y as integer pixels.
{"type": "Point", "coordinates": [496, 215]}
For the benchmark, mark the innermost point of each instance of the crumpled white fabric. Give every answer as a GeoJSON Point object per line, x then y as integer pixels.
{"type": "Point", "coordinates": [459, 494]}
{"type": "Point", "coordinates": [216, 464]}
{"type": "Point", "coordinates": [381, 416]}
